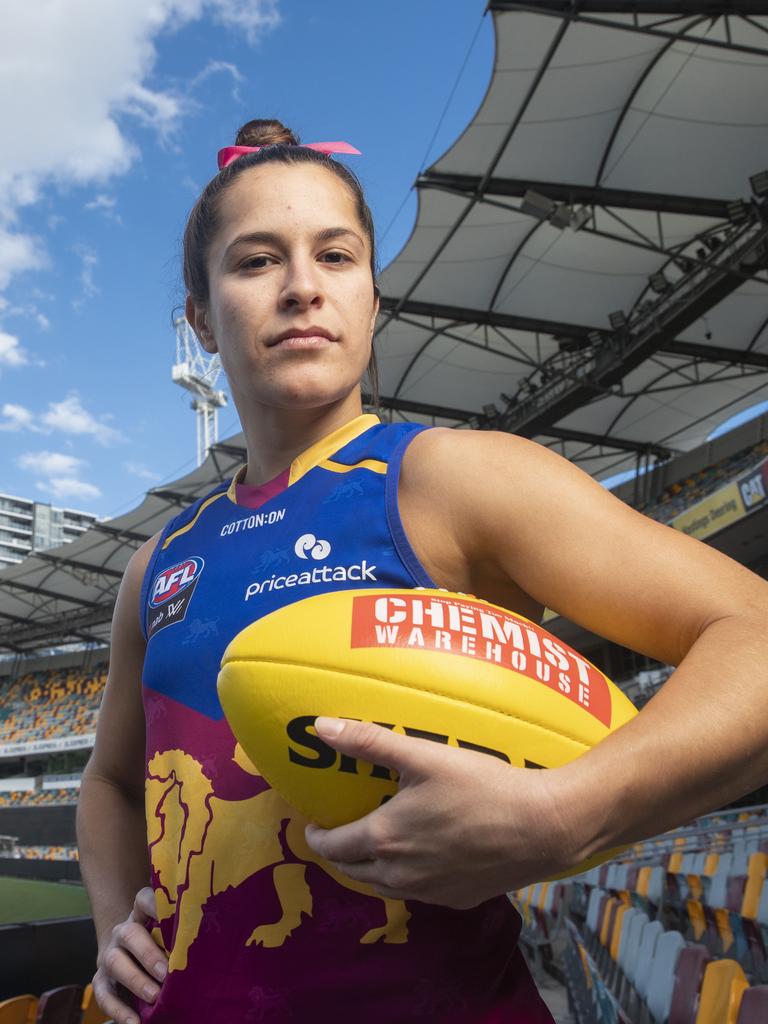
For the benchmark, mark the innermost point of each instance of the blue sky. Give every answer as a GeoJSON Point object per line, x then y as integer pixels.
{"type": "Point", "coordinates": [111, 116]}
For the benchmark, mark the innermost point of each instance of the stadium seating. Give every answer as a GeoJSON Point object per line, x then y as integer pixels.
{"type": "Point", "coordinates": [68, 1004]}
{"type": "Point", "coordinates": [19, 1010]}
{"type": "Point", "coordinates": [43, 705]}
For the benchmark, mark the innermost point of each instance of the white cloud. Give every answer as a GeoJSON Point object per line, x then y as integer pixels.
{"type": "Point", "coordinates": [141, 471]}
{"type": "Point", "coordinates": [72, 77]}
{"type": "Point", "coordinates": [11, 353]}
{"type": "Point", "coordinates": [88, 260]}
{"type": "Point", "coordinates": [50, 463]}
{"type": "Point", "coordinates": [252, 16]}
{"type": "Point", "coordinates": [70, 417]}
{"type": "Point", "coordinates": [17, 418]}
{"type": "Point", "coordinates": [101, 202]}
{"type": "Point", "coordinates": [217, 67]}
{"type": "Point", "coordinates": [69, 487]}
{"type": "Point", "coordinates": [61, 472]}
{"type": "Point", "coordinates": [17, 251]}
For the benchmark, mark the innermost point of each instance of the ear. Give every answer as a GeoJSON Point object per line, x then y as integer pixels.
{"type": "Point", "coordinates": [376, 305]}
{"type": "Point", "coordinates": [197, 316]}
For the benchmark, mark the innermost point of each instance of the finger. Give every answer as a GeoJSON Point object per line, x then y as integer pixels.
{"type": "Point", "coordinates": [121, 967]}
{"type": "Point", "coordinates": [375, 744]}
{"type": "Point", "coordinates": [144, 905]}
{"type": "Point", "coordinates": [358, 841]}
{"type": "Point", "coordinates": [368, 871]}
{"type": "Point", "coordinates": [104, 994]}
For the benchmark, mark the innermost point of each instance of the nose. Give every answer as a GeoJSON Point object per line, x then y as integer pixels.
{"type": "Point", "coordinates": [302, 287]}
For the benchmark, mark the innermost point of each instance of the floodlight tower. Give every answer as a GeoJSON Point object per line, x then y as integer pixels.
{"type": "Point", "coordinates": [198, 372]}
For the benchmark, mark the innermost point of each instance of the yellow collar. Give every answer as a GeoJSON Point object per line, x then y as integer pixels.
{"type": "Point", "coordinates": [320, 450]}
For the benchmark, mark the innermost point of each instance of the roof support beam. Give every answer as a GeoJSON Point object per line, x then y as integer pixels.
{"type": "Point", "coordinates": [577, 332]}
{"type": "Point", "coordinates": [120, 532]}
{"type": "Point", "coordinates": [651, 331]}
{"type": "Point", "coordinates": [423, 408]}
{"type": "Point", "coordinates": [479, 316]}
{"type": "Point", "coordinates": [592, 12]}
{"type": "Point", "coordinates": [66, 563]}
{"type": "Point", "coordinates": [656, 202]}
{"type": "Point", "coordinates": [60, 627]}
{"type": "Point", "coordinates": [175, 497]}
{"type": "Point", "coordinates": [712, 8]}
{"type": "Point", "coordinates": [31, 589]}
{"type": "Point", "coordinates": [619, 443]}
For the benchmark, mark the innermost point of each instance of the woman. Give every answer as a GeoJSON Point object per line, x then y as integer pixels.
{"type": "Point", "coordinates": [253, 914]}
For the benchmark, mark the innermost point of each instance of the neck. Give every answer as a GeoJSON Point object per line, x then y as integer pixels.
{"type": "Point", "coordinates": [275, 437]}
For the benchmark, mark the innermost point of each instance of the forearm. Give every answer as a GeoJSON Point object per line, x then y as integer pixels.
{"type": "Point", "coordinates": [111, 835]}
{"type": "Point", "coordinates": [699, 744]}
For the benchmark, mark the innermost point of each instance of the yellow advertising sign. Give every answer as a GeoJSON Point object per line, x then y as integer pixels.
{"type": "Point", "coordinates": [711, 514]}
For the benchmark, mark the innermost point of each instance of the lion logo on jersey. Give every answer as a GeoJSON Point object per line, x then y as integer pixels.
{"type": "Point", "coordinates": [189, 832]}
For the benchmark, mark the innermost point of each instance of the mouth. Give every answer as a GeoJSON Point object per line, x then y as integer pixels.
{"type": "Point", "coordinates": [310, 337]}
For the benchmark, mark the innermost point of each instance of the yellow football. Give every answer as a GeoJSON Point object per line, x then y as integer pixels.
{"type": "Point", "coordinates": [429, 663]}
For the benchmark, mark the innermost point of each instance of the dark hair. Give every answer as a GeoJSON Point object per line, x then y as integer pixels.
{"type": "Point", "coordinates": [280, 145]}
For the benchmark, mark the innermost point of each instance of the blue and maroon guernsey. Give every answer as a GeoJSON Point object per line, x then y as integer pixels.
{"type": "Point", "coordinates": [255, 928]}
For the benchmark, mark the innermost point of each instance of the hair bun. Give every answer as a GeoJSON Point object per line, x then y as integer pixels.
{"type": "Point", "coordinates": [265, 133]}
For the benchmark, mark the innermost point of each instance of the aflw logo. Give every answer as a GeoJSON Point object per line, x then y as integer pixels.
{"type": "Point", "coordinates": [172, 581]}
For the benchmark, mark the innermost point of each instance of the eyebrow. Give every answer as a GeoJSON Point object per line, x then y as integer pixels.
{"type": "Point", "coordinates": [273, 238]}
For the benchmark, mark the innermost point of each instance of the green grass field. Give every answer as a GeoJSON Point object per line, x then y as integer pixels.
{"type": "Point", "coordinates": [24, 900]}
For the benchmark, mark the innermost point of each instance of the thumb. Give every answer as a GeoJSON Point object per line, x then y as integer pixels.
{"type": "Point", "coordinates": [370, 742]}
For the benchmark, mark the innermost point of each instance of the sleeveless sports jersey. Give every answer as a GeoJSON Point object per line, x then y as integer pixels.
{"type": "Point", "coordinates": [257, 926]}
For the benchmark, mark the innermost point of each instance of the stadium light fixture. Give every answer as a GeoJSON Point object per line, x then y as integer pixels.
{"type": "Point", "coordinates": [658, 282]}
{"type": "Point", "coordinates": [713, 242]}
{"type": "Point", "coordinates": [595, 338]}
{"type": "Point", "coordinates": [759, 184]}
{"type": "Point", "coordinates": [562, 216]}
{"type": "Point", "coordinates": [537, 205]}
{"type": "Point", "coordinates": [737, 211]}
{"type": "Point", "coordinates": [580, 218]}
{"type": "Point", "coordinates": [701, 253]}
{"type": "Point", "coordinates": [490, 411]}
{"type": "Point", "coordinates": [617, 320]}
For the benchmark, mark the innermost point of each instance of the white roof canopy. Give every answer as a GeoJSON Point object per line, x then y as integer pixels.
{"type": "Point", "coordinates": [612, 147]}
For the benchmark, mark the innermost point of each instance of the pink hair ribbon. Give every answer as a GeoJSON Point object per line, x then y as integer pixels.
{"type": "Point", "coordinates": [230, 153]}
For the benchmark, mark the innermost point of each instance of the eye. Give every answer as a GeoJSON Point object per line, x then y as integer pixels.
{"type": "Point", "coordinates": [338, 257]}
{"type": "Point", "coordinates": [255, 262]}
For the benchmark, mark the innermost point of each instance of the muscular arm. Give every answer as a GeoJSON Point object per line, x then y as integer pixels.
{"type": "Point", "coordinates": [111, 829]}
{"type": "Point", "coordinates": [703, 739]}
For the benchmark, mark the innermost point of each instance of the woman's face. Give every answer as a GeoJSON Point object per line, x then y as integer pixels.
{"type": "Point", "coordinates": [289, 254]}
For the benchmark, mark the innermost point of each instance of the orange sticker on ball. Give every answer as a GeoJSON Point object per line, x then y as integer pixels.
{"type": "Point", "coordinates": [444, 624]}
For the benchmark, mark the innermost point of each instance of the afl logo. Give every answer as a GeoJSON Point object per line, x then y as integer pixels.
{"type": "Point", "coordinates": [173, 581]}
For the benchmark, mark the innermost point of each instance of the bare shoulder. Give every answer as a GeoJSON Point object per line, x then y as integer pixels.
{"type": "Point", "coordinates": [573, 546]}
{"type": "Point", "coordinates": [441, 495]}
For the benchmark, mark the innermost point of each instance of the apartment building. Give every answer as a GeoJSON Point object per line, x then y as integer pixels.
{"type": "Point", "coordinates": [27, 526]}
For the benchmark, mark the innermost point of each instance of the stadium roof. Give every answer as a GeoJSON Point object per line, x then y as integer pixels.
{"type": "Point", "coordinates": [588, 261]}
{"type": "Point", "coordinates": [615, 144]}
{"type": "Point", "coordinates": [68, 593]}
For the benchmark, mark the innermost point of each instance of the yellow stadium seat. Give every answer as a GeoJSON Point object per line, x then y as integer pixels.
{"type": "Point", "coordinates": [756, 872]}
{"type": "Point", "coordinates": [721, 992]}
{"type": "Point", "coordinates": [19, 1010]}
{"type": "Point", "coordinates": [643, 877]}
{"type": "Point", "coordinates": [585, 965]}
{"type": "Point", "coordinates": [696, 917]}
{"type": "Point", "coordinates": [91, 1012]}
{"type": "Point", "coordinates": [724, 930]}
{"type": "Point", "coordinates": [618, 924]}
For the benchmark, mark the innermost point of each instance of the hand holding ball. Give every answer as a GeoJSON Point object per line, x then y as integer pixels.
{"type": "Point", "coordinates": [427, 663]}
